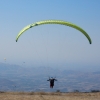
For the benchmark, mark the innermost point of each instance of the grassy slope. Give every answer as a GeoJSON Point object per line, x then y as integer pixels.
{"type": "Point", "coordinates": [48, 96]}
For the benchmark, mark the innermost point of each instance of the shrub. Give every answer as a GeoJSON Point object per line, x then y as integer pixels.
{"type": "Point", "coordinates": [95, 90]}
{"type": "Point", "coordinates": [76, 90]}
{"type": "Point", "coordinates": [58, 91]}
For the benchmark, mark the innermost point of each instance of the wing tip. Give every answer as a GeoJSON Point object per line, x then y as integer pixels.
{"type": "Point", "coordinates": [16, 40]}
{"type": "Point", "coordinates": [90, 42]}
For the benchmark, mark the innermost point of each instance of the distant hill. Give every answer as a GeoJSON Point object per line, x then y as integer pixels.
{"type": "Point", "coordinates": [17, 78]}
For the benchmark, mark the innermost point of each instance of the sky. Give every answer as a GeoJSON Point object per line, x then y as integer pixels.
{"type": "Point", "coordinates": [50, 45]}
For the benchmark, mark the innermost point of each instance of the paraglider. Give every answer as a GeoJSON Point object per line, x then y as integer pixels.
{"type": "Point", "coordinates": [60, 22]}
{"type": "Point", "coordinates": [54, 22]}
{"type": "Point", "coordinates": [5, 59]}
{"type": "Point", "coordinates": [52, 81]}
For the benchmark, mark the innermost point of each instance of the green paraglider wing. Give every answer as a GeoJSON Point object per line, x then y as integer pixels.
{"type": "Point", "coordinates": [54, 22]}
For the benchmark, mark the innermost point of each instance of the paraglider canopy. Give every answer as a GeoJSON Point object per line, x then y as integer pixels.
{"type": "Point", "coordinates": [54, 22]}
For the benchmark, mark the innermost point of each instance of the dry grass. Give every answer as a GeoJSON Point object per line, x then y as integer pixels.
{"type": "Point", "coordinates": [48, 96]}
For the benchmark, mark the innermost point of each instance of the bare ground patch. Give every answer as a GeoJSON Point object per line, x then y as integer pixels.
{"type": "Point", "coordinates": [48, 96]}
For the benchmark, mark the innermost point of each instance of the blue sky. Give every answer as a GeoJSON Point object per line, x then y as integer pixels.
{"type": "Point", "coordinates": [50, 45]}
